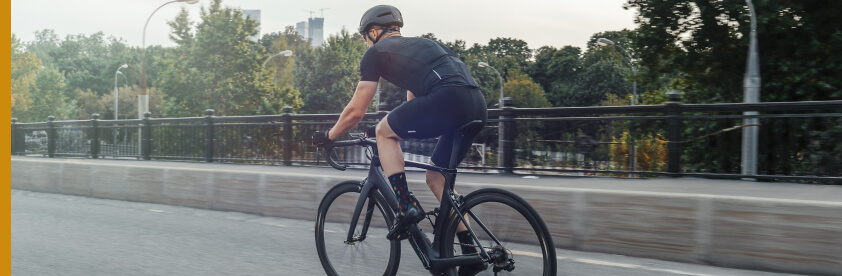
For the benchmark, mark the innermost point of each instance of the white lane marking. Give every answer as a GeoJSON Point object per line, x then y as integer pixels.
{"type": "Point", "coordinates": [676, 272]}
{"type": "Point", "coordinates": [604, 263]}
{"type": "Point", "coordinates": [157, 211]}
{"type": "Point", "coordinates": [528, 254]}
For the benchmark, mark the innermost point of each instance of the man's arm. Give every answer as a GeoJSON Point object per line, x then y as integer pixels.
{"type": "Point", "coordinates": [409, 95]}
{"type": "Point", "coordinates": [355, 110]}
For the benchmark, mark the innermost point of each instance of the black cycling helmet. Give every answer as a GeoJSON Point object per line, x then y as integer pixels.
{"type": "Point", "coordinates": [382, 15]}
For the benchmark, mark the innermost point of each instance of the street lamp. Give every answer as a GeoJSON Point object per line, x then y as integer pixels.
{"type": "Point", "coordinates": [604, 42]}
{"type": "Point", "coordinates": [116, 105]}
{"type": "Point", "coordinates": [751, 94]}
{"type": "Point", "coordinates": [483, 64]}
{"type": "Point", "coordinates": [143, 96]}
{"type": "Point", "coordinates": [126, 88]}
{"type": "Point", "coordinates": [285, 53]}
{"type": "Point", "coordinates": [501, 138]}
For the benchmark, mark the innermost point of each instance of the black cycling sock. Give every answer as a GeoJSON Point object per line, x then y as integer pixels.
{"type": "Point", "coordinates": [398, 182]}
{"type": "Point", "coordinates": [466, 241]}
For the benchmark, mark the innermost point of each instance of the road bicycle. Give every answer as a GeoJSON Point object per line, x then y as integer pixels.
{"type": "Point", "coordinates": [354, 216]}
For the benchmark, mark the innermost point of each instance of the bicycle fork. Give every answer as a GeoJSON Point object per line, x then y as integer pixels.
{"type": "Point", "coordinates": [364, 192]}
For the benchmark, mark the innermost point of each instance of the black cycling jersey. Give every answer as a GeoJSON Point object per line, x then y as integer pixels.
{"type": "Point", "coordinates": [416, 64]}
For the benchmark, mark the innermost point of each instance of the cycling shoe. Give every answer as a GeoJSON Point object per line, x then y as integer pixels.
{"type": "Point", "coordinates": [399, 230]}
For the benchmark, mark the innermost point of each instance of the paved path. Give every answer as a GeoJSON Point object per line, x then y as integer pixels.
{"type": "Point", "coordinates": [67, 235]}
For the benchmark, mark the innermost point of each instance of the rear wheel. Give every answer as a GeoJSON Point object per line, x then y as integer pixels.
{"type": "Point", "coordinates": [525, 246]}
{"type": "Point", "coordinates": [369, 253]}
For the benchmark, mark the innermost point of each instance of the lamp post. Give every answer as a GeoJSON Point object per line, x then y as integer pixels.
{"type": "Point", "coordinates": [501, 138]}
{"type": "Point", "coordinates": [285, 53]}
{"type": "Point", "coordinates": [143, 96]}
{"type": "Point", "coordinates": [483, 64]}
{"type": "Point", "coordinates": [125, 88]}
{"type": "Point", "coordinates": [116, 103]}
{"type": "Point", "coordinates": [751, 94]}
{"type": "Point", "coordinates": [116, 93]}
{"type": "Point", "coordinates": [604, 42]}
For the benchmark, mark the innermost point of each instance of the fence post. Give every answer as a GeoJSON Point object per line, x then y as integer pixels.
{"type": "Point", "coordinates": [209, 135]}
{"type": "Point", "coordinates": [146, 137]}
{"type": "Point", "coordinates": [94, 136]}
{"type": "Point", "coordinates": [674, 127]}
{"type": "Point", "coordinates": [51, 137]}
{"type": "Point", "coordinates": [287, 142]}
{"type": "Point", "coordinates": [14, 135]}
{"type": "Point", "coordinates": [506, 147]}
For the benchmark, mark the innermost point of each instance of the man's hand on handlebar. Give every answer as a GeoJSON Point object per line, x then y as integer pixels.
{"type": "Point", "coordinates": [320, 139]}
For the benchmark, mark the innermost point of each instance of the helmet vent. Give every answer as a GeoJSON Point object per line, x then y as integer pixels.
{"type": "Point", "coordinates": [384, 14]}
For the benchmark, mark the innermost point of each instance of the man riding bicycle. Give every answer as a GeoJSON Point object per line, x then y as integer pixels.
{"type": "Point", "coordinates": [441, 96]}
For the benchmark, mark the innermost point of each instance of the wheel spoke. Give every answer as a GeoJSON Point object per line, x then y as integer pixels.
{"type": "Point", "coordinates": [371, 256]}
{"type": "Point", "coordinates": [517, 229]}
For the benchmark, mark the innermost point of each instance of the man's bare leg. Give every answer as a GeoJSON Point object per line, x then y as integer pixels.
{"type": "Point", "coordinates": [436, 183]}
{"type": "Point", "coordinates": [389, 148]}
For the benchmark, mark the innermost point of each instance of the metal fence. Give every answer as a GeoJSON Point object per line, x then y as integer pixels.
{"type": "Point", "coordinates": [799, 141]}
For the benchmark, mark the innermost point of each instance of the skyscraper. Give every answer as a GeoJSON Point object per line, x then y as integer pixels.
{"type": "Point", "coordinates": [254, 15]}
{"type": "Point", "coordinates": [301, 29]}
{"type": "Point", "coordinates": [316, 31]}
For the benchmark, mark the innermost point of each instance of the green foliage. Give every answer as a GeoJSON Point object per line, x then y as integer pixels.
{"type": "Point", "coordinates": [702, 47]}
{"type": "Point", "coordinates": [218, 67]}
{"type": "Point", "coordinates": [523, 91]}
{"type": "Point", "coordinates": [706, 42]}
{"type": "Point", "coordinates": [650, 152]}
{"type": "Point", "coordinates": [573, 78]}
{"type": "Point", "coordinates": [509, 47]}
{"type": "Point", "coordinates": [127, 100]}
{"type": "Point", "coordinates": [46, 96]}
{"type": "Point", "coordinates": [24, 70]}
{"type": "Point", "coordinates": [328, 75]}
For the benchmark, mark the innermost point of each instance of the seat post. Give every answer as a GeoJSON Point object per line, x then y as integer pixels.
{"type": "Point", "coordinates": [457, 142]}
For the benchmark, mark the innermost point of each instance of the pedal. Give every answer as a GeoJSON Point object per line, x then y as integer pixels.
{"type": "Point", "coordinates": [434, 213]}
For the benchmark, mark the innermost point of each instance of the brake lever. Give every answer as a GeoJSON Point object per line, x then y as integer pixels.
{"type": "Point", "coordinates": [318, 156]}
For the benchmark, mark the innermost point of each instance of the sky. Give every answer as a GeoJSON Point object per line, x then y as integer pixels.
{"type": "Point", "coordinates": [554, 23]}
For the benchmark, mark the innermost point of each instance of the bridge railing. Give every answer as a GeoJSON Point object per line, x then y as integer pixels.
{"type": "Point", "coordinates": [798, 141]}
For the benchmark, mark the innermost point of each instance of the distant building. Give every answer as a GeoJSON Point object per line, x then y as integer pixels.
{"type": "Point", "coordinates": [301, 29]}
{"type": "Point", "coordinates": [316, 28]}
{"type": "Point", "coordinates": [254, 15]}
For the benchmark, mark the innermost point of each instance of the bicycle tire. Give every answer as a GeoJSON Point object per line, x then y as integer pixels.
{"type": "Point", "coordinates": [527, 237]}
{"type": "Point", "coordinates": [331, 233]}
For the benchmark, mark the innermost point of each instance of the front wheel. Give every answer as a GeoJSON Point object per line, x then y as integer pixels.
{"type": "Point", "coordinates": [369, 252]}
{"type": "Point", "coordinates": [523, 243]}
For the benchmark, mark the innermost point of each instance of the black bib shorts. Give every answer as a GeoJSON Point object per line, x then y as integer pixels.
{"type": "Point", "coordinates": [440, 113]}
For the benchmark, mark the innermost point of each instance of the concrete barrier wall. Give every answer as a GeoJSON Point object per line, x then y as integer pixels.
{"type": "Point", "coordinates": [795, 236]}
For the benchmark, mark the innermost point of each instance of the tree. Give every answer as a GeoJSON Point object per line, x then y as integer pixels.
{"type": "Point", "coordinates": [707, 43]}
{"type": "Point", "coordinates": [510, 47]}
{"type": "Point", "coordinates": [328, 75]}
{"type": "Point", "coordinates": [47, 95]}
{"type": "Point", "coordinates": [127, 99]}
{"type": "Point", "coordinates": [704, 44]}
{"type": "Point", "coordinates": [218, 66]}
{"type": "Point", "coordinates": [523, 91]}
{"type": "Point", "coordinates": [23, 72]}
{"type": "Point", "coordinates": [281, 41]}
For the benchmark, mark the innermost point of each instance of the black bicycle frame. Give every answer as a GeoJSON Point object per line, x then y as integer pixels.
{"type": "Point", "coordinates": [427, 251]}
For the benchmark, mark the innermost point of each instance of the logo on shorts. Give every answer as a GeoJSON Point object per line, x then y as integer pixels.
{"type": "Point", "coordinates": [410, 131]}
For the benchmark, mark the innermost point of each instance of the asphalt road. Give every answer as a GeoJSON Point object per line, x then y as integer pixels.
{"type": "Point", "coordinates": [66, 235]}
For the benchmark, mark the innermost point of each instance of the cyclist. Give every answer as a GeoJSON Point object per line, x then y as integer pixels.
{"type": "Point", "coordinates": [441, 96]}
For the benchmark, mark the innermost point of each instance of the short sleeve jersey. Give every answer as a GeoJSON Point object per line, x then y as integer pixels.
{"type": "Point", "coordinates": [416, 64]}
